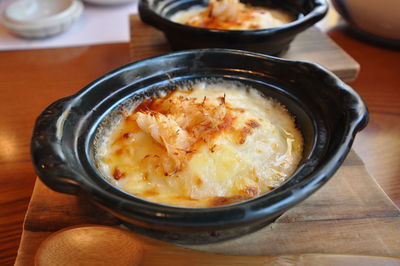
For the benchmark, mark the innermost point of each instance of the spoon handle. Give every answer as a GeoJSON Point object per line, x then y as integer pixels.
{"type": "Point", "coordinates": [104, 245]}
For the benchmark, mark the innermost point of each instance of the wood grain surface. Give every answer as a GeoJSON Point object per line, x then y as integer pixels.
{"type": "Point", "coordinates": [349, 215]}
{"type": "Point", "coordinates": [378, 84]}
{"type": "Point", "coordinates": [86, 246]}
{"type": "Point", "coordinates": [32, 79]}
{"type": "Point", "coordinates": [29, 81]}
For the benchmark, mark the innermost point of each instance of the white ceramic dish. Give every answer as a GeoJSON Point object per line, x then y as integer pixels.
{"type": "Point", "coordinates": [41, 18]}
{"type": "Point", "coordinates": [379, 19]}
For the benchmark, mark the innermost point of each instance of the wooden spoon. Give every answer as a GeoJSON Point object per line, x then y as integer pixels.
{"type": "Point", "coordinates": [104, 245]}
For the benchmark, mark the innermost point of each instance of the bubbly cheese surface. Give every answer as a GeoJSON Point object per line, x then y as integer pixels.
{"type": "Point", "coordinates": [216, 143]}
{"type": "Point", "coordinates": [232, 15]}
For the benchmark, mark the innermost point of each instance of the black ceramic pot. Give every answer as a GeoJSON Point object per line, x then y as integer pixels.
{"type": "Point", "coordinates": [328, 112]}
{"type": "Point", "coordinates": [269, 41]}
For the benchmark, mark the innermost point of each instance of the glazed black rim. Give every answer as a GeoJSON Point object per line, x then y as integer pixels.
{"type": "Point", "coordinates": [273, 202]}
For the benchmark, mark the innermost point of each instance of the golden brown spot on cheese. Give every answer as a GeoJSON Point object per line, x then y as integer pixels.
{"type": "Point", "coordinates": [176, 170]}
{"type": "Point", "coordinates": [145, 176]}
{"type": "Point", "coordinates": [145, 105]}
{"type": "Point", "coordinates": [117, 174]}
{"type": "Point", "coordinates": [247, 130]}
{"type": "Point", "coordinates": [151, 157]}
{"type": "Point", "coordinates": [199, 181]}
{"type": "Point", "coordinates": [227, 122]}
{"type": "Point", "coordinates": [151, 192]}
{"type": "Point", "coordinates": [220, 201]}
{"type": "Point", "coordinates": [119, 152]}
{"type": "Point", "coordinates": [254, 26]}
{"type": "Point", "coordinates": [253, 123]}
{"type": "Point", "coordinates": [251, 191]}
{"type": "Point", "coordinates": [181, 197]}
{"type": "Point", "coordinates": [127, 135]}
{"type": "Point", "coordinates": [243, 133]}
{"type": "Point", "coordinates": [154, 103]}
{"type": "Point", "coordinates": [235, 109]}
{"type": "Point", "coordinates": [222, 99]}
{"type": "Point", "coordinates": [212, 149]}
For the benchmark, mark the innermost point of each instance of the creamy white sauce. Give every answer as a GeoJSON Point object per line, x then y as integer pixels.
{"type": "Point", "coordinates": [253, 153]}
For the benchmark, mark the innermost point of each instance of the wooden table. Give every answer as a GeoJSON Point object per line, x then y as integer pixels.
{"type": "Point", "coordinates": [32, 79]}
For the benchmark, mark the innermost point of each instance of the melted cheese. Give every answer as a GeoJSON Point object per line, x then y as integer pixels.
{"type": "Point", "coordinates": [232, 15]}
{"type": "Point", "coordinates": [215, 144]}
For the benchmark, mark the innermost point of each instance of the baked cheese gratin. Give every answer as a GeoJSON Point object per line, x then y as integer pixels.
{"type": "Point", "coordinates": [215, 143]}
{"type": "Point", "coordinates": [232, 15]}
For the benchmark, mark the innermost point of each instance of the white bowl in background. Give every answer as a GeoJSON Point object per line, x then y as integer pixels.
{"type": "Point", "coordinates": [41, 18]}
{"type": "Point", "coordinates": [376, 18]}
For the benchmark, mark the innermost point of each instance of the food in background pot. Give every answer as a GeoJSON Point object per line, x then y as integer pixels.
{"type": "Point", "coordinates": [232, 15]}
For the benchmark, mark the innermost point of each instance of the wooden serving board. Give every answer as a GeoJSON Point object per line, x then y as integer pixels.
{"type": "Point", "coordinates": [349, 215]}
{"type": "Point", "coordinates": [311, 45]}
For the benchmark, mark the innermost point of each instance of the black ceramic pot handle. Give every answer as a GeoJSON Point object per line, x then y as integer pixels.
{"type": "Point", "coordinates": [358, 112]}
{"type": "Point", "coordinates": [348, 99]}
{"type": "Point", "coordinates": [48, 156]}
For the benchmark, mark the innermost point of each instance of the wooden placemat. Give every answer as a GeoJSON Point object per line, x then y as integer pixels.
{"type": "Point", "coordinates": [349, 215]}
{"type": "Point", "coordinates": [311, 45]}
